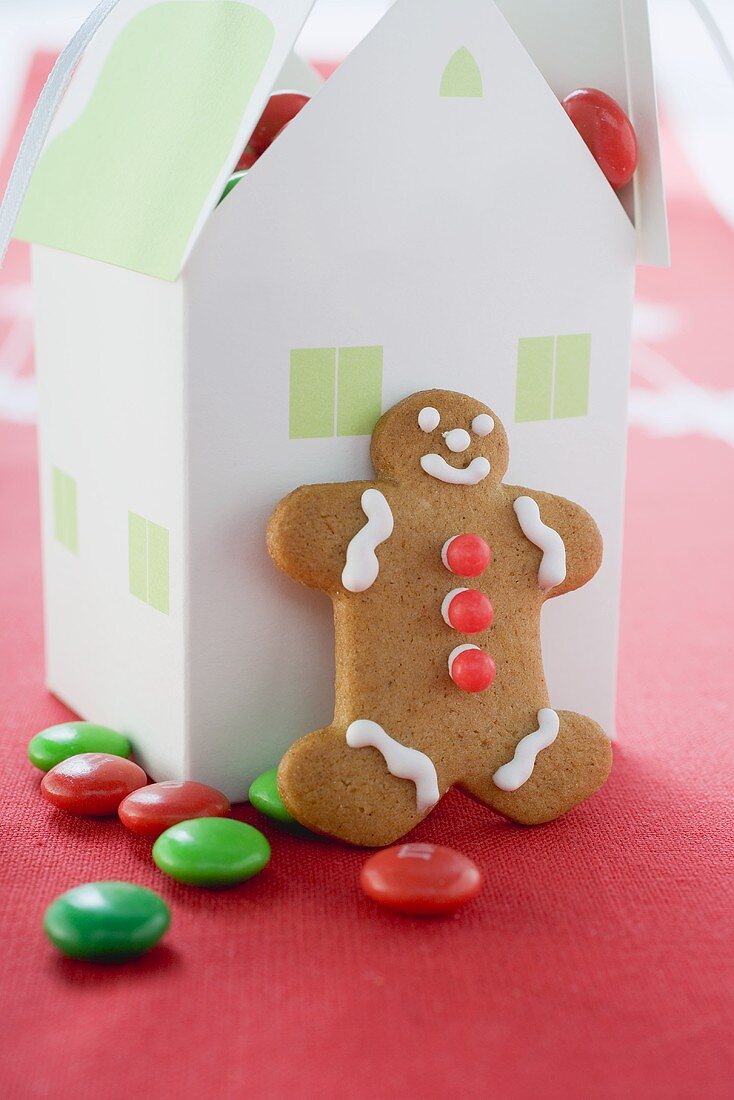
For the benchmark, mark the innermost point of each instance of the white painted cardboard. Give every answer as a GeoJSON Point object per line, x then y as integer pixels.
{"type": "Point", "coordinates": [110, 355]}
{"type": "Point", "coordinates": [385, 215]}
{"type": "Point", "coordinates": [559, 37]}
{"type": "Point", "coordinates": [298, 76]}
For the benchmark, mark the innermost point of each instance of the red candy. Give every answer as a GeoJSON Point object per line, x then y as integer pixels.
{"type": "Point", "coordinates": [421, 878]}
{"type": "Point", "coordinates": [607, 131]}
{"type": "Point", "coordinates": [151, 810]}
{"type": "Point", "coordinates": [281, 108]}
{"type": "Point", "coordinates": [92, 783]}
{"type": "Point", "coordinates": [471, 668]}
{"type": "Point", "coordinates": [466, 555]}
{"type": "Point", "coordinates": [467, 610]}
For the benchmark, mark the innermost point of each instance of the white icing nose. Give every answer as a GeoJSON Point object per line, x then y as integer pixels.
{"type": "Point", "coordinates": [457, 440]}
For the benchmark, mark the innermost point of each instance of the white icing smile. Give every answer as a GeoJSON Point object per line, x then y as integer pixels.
{"type": "Point", "coordinates": [436, 466]}
{"type": "Point", "coordinates": [362, 567]}
{"type": "Point", "coordinates": [513, 775]}
{"type": "Point", "coordinates": [401, 761]}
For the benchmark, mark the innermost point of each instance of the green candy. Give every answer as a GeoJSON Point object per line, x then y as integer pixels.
{"type": "Point", "coordinates": [265, 797]}
{"type": "Point", "coordinates": [211, 851]}
{"type": "Point", "coordinates": [231, 184]}
{"type": "Point", "coordinates": [106, 920]}
{"type": "Point", "coordinates": [58, 743]}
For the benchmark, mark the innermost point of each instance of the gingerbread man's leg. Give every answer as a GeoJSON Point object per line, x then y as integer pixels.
{"type": "Point", "coordinates": [358, 783]}
{"type": "Point", "coordinates": [555, 764]}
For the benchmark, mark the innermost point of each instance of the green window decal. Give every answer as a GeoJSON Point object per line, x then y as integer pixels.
{"type": "Point", "coordinates": [552, 377]}
{"type": "Point", "coordinates": [335, 391]}
{"type": "Point", "coordinates": [573, 361]}
{"type": "Point", "coordinates": [65, 510]}
{"type": "Point", "coordinates": [359, 404]}
{"type": "Point", "coordinates": [534, 378]}
{"type": "Point", "coordinates": [148, 561]}
{"type": "Point", "coordinates": [313, 379]}
{"type": "Point", "coordinates": [461, 77]}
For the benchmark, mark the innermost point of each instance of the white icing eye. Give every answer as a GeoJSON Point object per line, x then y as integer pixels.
{"type": "Point", "coordinates": [482, 425]}
{"type": "Point", "coordinates": [429, 419]}
{"type": "Point", "coordinates": [457, 440]}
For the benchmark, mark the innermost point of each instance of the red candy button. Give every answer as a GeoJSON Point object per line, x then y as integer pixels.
{"type": "Point", "coordinates": [92, 783]}
{"type": "Point", "coordinates": [280, 109]}
{"type": "Point", "coordinates": [607, 131]}
{"type": "Point", "coordinates": [151, 810]}
{"type": "Point", "coordinates": [471, 668]}
{"type": "Point", "coordinates": [421, 878]}
{"type": "Point", "coordinates": [467, 610]}
{"type": "Point", "coordinates": [466, 555]}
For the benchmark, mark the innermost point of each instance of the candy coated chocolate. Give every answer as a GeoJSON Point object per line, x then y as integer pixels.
{"type": "Point", "coordinates": [265, 797]}
{"type": "Point", "coordinates": [607, 131]}
{"type": "Point", "coordinates": [473, 670]}
{"type": "Point", "coordinates": [211, 851]}
{"type": "Point", "coordinates": [231, 184]}
{"type": "Point", "coordinates": [470, 611]}
{"type": "Point", "coordinates": [425, 879]}
{"type": "Point", "coordinates": [280, 109]}
{"type": "Point", "coordinates": [106, 920]}
{"type": "Point", "coordinates": [92, 783]}
{"type": "Point", "coordinates": [57, 743]}
{"type": "Point", "coordinates": [150, 810]}
{"type": "Point", "coordinates": [466, 555]}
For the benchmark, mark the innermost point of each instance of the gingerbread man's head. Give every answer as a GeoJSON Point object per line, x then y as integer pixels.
{"type": "Point", "coordinates": [442, 438]}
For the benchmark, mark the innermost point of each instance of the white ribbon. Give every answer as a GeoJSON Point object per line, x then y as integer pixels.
{"type": "Point", "coordinates": [35, 136]}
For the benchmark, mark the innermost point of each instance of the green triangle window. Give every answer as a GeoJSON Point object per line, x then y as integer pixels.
{"type": "Point", "coordinates": [462, 77]}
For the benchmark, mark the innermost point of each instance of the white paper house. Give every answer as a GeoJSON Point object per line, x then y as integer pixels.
{"type": "Point", "coordinates": [431, 218]}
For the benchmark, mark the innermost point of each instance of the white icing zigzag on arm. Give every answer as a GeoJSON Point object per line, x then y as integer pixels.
{"type": "Point", "coordinates": [436, 466]}
{"type": "Point", "coordinates": [362, 567]}
{"type": "Point", "coordinates": [511, 776]}
{"type": "Point", "coordinates": [552, 571]}
{"type": "Point", "coordinates": [402, 762]}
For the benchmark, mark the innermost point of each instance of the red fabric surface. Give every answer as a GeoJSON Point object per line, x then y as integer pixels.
{"type": "Point", "coordinates": [596, 962]}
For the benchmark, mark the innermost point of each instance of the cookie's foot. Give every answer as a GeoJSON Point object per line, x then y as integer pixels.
{"type": "Point", "coordinates": [548, 770]}
{"type": "Point", "coordinates": [357, 784]}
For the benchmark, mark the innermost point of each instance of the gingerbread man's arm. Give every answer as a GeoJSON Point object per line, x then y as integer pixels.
{"type": "Point", "coordinates": [567, 537]}
{"type": "Point", "coordinates": [311, 531]}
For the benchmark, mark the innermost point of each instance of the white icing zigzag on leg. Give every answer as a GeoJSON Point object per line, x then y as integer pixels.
{"type": "Point", "coordinates": [402, 762]}
{"type": "Point", "coordinates": [511, 776]}
{"type": "Point", "coordinates": [552, 570]}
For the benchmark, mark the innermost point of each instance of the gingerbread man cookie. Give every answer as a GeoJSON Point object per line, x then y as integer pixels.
{"type": "Point", "coordinates": [438, 573]}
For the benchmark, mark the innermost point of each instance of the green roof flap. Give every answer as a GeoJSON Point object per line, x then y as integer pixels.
{"type": "Point", "coordinates": [132, 178]}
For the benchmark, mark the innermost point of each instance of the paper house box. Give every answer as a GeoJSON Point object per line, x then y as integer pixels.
{"type": "Point", "coordinates": [430, 218]}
